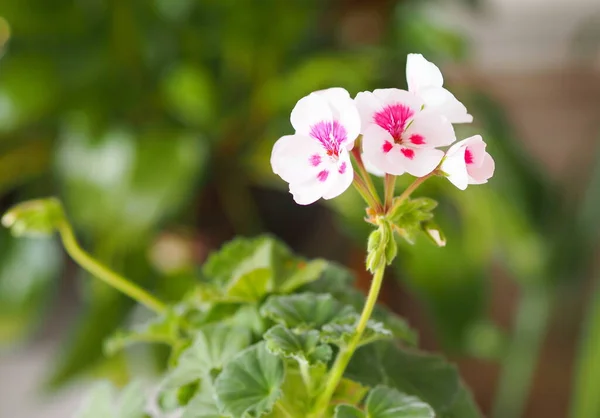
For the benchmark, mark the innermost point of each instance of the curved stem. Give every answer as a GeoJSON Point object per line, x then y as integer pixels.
{"type": "Point", "coordinates": [104, 273]}
{"type": "Point", "coordinates": [345, 354]}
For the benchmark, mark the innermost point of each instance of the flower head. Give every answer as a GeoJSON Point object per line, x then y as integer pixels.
{"type": "Point", "coordinates": [425, 80]}
{"type": "Point", "coordinates": [400, 134]}
{"type": "Point", "coordinates": [315, 160]}
{"type": "Point", "coordinates": [467, 162]}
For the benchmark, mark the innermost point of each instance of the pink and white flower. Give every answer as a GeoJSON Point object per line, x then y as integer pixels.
{"type": "Point", "coordinates": [467, 162]}
{"type": "Point", "coordinates": [425, 80]}
{"type": "Point", "coordinates": [399, 134]}
{"type": "Point", "coordinates": [315, 160]}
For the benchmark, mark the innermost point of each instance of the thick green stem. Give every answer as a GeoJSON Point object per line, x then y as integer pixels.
{"type": "Point", "coordinates": [345, 354]}
{"type": "Point", "coordinates": [104, 273]}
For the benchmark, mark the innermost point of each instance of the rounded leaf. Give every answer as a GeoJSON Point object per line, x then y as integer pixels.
{"type": "Point", "coordinates": [251, 383]}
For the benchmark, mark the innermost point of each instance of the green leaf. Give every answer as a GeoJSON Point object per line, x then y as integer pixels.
{"type": "Point", "coordinates": [251, 383]}
{"type": "Point", "coordinates": [347, 411]}
{"type": "Point", "coordinates": [101, 402]}
{"type": "Point", "coordinates": [247, 269]}
{"type": "Point", "coordinates": [98, 403]}
{"type": "Point", "coordinates": [338, 281]}
{"type": "Point", "coordinates": [304, 273]}
{"type": "Point", "coordinates": [304, 310]}
{"type": "Point", "coordinates": [161, 329]}
{"type": "Point", "coordinates": [341, 331]}
{"type": "Point", "coordinates": [303, 346]}
{"type": "Point", "coordinates": [426, 376]}
{"type": "Point", "coordinates": [249, 287]}
{"type": "Point", "coordinates": [384, 402]}
{"type": "Point", "coordinates": [213, 347]}
{"type": "Point", "coordinates": [349, 392]}
{"type": "Point", "coordinates": [133, 402]}
{"type": "Point", "coordinates": [34, 217]}
{"type": "Point", "coordinates": [203, 404]}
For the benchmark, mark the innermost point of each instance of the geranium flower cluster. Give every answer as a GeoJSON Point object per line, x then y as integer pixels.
{"type": "Point", "coordinates": [402, 132]}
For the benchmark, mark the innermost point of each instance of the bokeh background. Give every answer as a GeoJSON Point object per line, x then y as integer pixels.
{"type": "Point", "coordinates": [153, 121]}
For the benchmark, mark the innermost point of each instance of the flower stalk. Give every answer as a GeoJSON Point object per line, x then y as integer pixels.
{"type": "Point", "coordinates": [104, 273]}
{"type": "Point", "coordinates": [343, 358]}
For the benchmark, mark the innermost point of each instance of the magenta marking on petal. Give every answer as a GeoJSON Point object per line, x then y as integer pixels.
{"type": "Point", "coordinates": [417, 139]}
{"type": "Point", "coordinates": [315, 160]}
{"type": "Point", "coordinates": [468, 156]}
{"type": "Point", "coordinates": [342, 168]}
{"type": "Point", "coordinates": [408, 153]}
{"type": "Point", "coordinates": [393, 118]}
{"type": "Point", "coordinates": [330, 135]}
{"type": "Point", "coordinates": [387, 146]}
{"type": "Point", "coordinates": [322, 176]}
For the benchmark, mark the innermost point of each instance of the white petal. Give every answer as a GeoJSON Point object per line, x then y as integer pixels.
{"type": "Point", "coordinates": [344, 111]}
{"type": "Point", "coordinates": [429, 129]}
{"type": "Point", "coordinates": [340, 181]}
{"type": "Point", "coordinates": [309, 111]}
{"type": "Point", "coordinates": [367, 104]}
{"type": "Point", "coordinates": [481, 174]}
{"type": "Point", "coordinates": [394, 96]}
{"type": "Point", "coordinates": [291, 157]}
{"type": "Point", "coordinates": [421, 73]}
{"type": "Point", "coordinates": [454, 166]}
{"type": "Point", "coordinates": [374, 140]}
{"type": "Point", "coordinates": [444, 102]}
{"type": "Point", "coordinates": [422, 162]}
{"type": "Point", "coordinates": [476, 146]}
{"type": "Point", "coordinates": [371, 169]}
{"type": "Point", "coordinates": [308, 191]}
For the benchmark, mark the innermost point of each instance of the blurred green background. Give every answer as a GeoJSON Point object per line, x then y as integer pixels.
{"type": "Point", "coordinates": [153, 121]}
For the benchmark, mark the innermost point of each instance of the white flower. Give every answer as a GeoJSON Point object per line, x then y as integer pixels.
{"type": "Point", "coordinates": [315, 160]}
{"type": "Point", "coordinates": [425, 80]}
{"type": "Point", "coordinates": [467, 162]}
{"type": "Point", "coordinates": [399, 134]}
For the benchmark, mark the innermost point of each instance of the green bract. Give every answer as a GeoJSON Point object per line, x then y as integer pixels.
{"type": "Point", "coordinates": [34, 218]}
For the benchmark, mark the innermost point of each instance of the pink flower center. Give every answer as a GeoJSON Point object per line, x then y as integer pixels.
{"type": "Point", "coordinates": [330, 135]}
{"type": "Point", "coordinates": [393, 118]}
{"type": "Point", "coordinates": [468, 156]}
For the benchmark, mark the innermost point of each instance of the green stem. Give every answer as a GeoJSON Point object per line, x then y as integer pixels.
{"type": "Point", "coordinates": [390, 182]}
{"type": "Point", "coordinates": [521, 359]}
{"type": "Point", "coordinates": [362, 188]}
{"type": "Point", "coordinates": [414, 185]}
{"type": "Point", "coordinates": [345, 354]}
{"type": "Point", "coordinates": [364, 174]}
{"type": "Point", "coordinates": [104, 273]}
{"type": "Point", "coordinates": [305, 372]}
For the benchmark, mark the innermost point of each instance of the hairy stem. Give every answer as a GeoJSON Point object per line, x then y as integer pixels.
{"type": "Point", "coordinates": [343, 358]}
{"type": "Point", "coordinates": [104, 273]}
